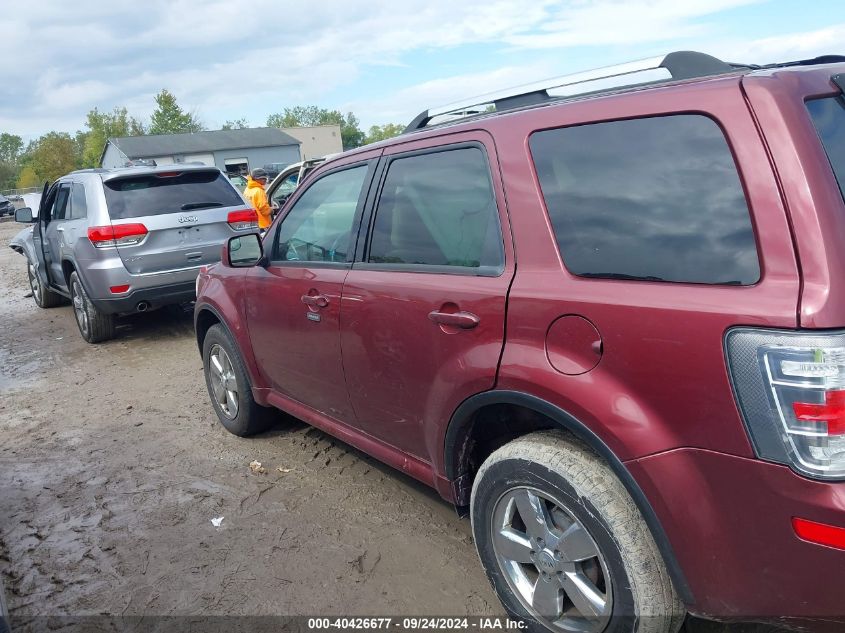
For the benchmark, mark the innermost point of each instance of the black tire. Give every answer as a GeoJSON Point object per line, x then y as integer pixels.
{"type": "Point", "coordinates": [249, 418]}
{"type": "Point", "coordinates": [574, 486]}
{"type": "Point", "coordinates": [94, 326]}
{"type": "Point", "coordinates": [41, 294]}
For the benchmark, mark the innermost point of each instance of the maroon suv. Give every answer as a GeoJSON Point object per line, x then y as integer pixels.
{"type": "Point", "coordinates": [610, 322]}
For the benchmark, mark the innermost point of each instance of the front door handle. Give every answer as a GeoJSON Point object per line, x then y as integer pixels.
{"type": "Point", "coordinates": [315, 301]}
{"type": "Point", "coordinates": [463, 320]}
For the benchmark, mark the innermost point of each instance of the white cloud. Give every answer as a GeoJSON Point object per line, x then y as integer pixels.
{"type": "Point", "coordinates": [615, 22]}
{"type": "Point", "coordinates": [403, 105]}
{"type": "Point", "coordinates": [229, 60]}
{"type": "Point", "coordinates": [793, 46]}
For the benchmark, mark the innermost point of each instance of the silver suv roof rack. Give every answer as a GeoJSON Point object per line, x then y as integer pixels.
{"type": "Point", "coordinates": [680, 65]}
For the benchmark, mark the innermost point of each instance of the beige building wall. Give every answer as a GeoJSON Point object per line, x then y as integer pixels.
{"type": "Point", "coordinates": [316, 141]}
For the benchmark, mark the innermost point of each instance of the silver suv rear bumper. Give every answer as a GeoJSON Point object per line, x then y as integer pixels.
{"type": "Point", "coordinates": [151, 289]}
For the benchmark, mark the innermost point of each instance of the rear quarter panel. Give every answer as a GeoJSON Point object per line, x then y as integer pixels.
{"type": "Point", "coordinates": [662, 381]}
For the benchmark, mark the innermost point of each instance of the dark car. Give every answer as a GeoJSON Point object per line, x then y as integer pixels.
{"type": "Point", "coordinates": [611, 325]}
{"type": "Point", "coordinates": [7, 207]}
{"type": "Point", "coordinates": [287, 180]}
{"type": "Point", "coordinates": [273, 169]}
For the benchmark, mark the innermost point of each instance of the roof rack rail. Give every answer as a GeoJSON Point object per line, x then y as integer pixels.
{"type": "Point", "coordinates": [90, 170]}
{"type": "Point", "coordinates": [814, 61]}
{"type": "Point", "coordinates": [680, 65]}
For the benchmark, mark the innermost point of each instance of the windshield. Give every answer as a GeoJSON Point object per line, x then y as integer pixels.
{"type": "Point", "coordinates": [829, 118]}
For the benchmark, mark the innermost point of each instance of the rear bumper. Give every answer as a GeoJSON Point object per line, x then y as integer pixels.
{"type": "Point", "coordinates": [153, 297]}
{"type": "Point", "coordinates": [729, 519]}
{"type": "Point", "coordinates": [107, 271]}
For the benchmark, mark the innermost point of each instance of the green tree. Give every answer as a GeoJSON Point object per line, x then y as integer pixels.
{"type": "Point", "coordinates": [170, 118]}
{"type": "Point", "coordinates": [381, 132]}
{"type": "Point", "coordinates": [237, 124]}
{"type": "Point", "coordinates": [10, 151]}
{"type": "Point", "coordinates": [136, 127]}
{"type": "Point", "coordinates": [10, 147]}
{"type": "Point", "coordinates": [79, 148]}
{"type": "Point", "coordinates": [101, 127]}
{"type": "Point", "coordinates": [50, 156]}
{"type": "Point", "coordinates": [8, 175]}
{"type": "Point", "coordinates": [305, 116]}
{"type": "Point", "coordinates": [28, 178]}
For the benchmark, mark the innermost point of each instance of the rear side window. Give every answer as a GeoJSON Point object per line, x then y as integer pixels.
{"type": "Point", "coordinates": [60, 205]}
{"type": "Point", "coordinates": [152, 194]}
{"type": "Point", "coordinates": [438, 209]}
{"type": "Point", "coordinates": [655, 199]}
{"type": "Point", "coordinates": [78, 204]}
{"type": "Point", "coordinates": [829, 118]}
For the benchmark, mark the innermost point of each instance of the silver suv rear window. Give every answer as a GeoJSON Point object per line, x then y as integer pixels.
{"type": "Point", "coordinates": [828, 116]}
{"type": "Point", "coordinates": [168, 192]}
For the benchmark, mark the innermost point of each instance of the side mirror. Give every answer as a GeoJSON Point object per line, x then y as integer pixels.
{"type": "Point", "coordinates": [243, 251]}
{"type": "Point", "coordinates": [24, 215]}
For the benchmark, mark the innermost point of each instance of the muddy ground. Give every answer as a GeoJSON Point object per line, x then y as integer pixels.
{"type": "Point", "coordinates": [112, 465]}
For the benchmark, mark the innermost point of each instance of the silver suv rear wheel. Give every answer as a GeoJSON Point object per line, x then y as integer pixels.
{"type": "Point", "coordinates": [94, 326]}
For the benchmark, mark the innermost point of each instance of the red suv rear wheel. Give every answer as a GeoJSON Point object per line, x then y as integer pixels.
{"type": "Point", "coordinates": [563, 543]}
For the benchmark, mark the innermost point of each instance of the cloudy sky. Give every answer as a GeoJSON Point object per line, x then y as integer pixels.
{"type": "Point", "coordinates": [383, 60]}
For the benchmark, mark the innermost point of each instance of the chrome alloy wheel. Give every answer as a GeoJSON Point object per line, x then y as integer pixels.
{"type": "Point", "coordinates": [34, 283]}
{"type": "Point", "coordinates": [80, 309]}
{"type": "Point", "coordinates": [551, 562]}
{"type": "Point", "coordinates": [224, 384]}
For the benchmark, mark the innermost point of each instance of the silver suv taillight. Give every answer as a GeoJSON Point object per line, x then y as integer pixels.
{"type": "Point", "coordinates": [791, 391]}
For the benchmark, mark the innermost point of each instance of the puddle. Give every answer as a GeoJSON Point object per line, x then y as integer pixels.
{"type": "Point", "coordinates": [19, 370]}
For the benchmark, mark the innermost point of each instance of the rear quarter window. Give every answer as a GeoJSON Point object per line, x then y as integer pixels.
{"type": "Point", "coordinates": [656, 199]}
{"type": "Point", "coordinates": [829, 118]}
{"type": "Point", "coordinates": [156, 194]}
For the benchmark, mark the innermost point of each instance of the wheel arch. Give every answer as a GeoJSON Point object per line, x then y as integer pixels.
{"type": "Point", "coordinates": [204, 319]}
{"type": "Point", "coordinates": [69, 267]}
{"type": "Point", "coordinates": [458, 464]}
{"type": "Point", "coordinates": [206, 316]}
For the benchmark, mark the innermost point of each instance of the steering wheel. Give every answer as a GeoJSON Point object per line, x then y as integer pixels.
{"type": "Point", "coordinates": [292, 253]}
{"type": "Point", "coordinates": [333, 248]}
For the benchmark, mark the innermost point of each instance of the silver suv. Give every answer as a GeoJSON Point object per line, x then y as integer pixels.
{"type": "Point", "coordinates": [115, 241]}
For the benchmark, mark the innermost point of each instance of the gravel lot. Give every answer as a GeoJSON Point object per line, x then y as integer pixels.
{"type": "Point", "coordinates": [112, 465]}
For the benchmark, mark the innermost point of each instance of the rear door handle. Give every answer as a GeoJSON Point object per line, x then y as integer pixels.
{"type": "Point", "coordinates": [463, 320]}
{"type": "Point", "coordinates": [316, 301]}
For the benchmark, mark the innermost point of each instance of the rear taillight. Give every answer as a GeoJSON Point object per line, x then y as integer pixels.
{"type": "Point", "coordinates": [243, 220]}
{"type": "Point", "coordinates": [117, 235]}
{"type": "Point", "coordinates": [791, 390]}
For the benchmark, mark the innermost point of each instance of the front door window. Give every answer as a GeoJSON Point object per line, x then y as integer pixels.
{"type": "Point", "coordinates": [319, 226]}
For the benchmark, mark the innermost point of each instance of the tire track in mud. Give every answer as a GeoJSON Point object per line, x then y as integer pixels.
{"type": "Point", "coordinates": [112, 465]}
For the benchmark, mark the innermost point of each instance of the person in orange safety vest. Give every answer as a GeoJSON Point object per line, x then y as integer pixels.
{"type": "Point", "coordinates": [257, 197]}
